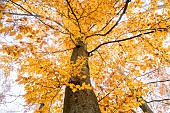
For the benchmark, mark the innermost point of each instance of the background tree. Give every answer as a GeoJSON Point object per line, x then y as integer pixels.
{"type": "Point", "coordinates": [103, 52]}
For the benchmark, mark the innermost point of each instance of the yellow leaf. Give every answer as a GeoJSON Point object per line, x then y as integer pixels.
{"type": "Point", "coordinates": [163, 25]}
{"type": "Point", "coordinates": [6, 29]}
{"type": "Point", "coordinates": [77, 86]}
{"type": "Point", "coordinates": [141, 2]}
{"type": "Point", "coordinates": [140, 6]}
{"type": "Point", "coordinates": [11, 28]}
{"type": "Point", "coordinates": [83, 84]}
{"type": "Point", "coordinates": [140, 99]}
{"type": "Point", "coordinates": [8, 14]}
{"type": "Point", "coordinates": [9, 20]}
{"type": "Point", "coordinates": [15, 0]}
{"type": "Point", "coordinates": [74, 90]}
{"type": "Point", "coordinates": [56, 34]}
{"type": "Point", "coordinates": [19, 36]}
{"type": "Point", "coordinates": [1, 14]}
{"type": "Point", "coordinates": [1, 25]}
{"type": "Point", "coordinates": [84, 76]}
{"type": "Point", "coordinates": [142, 102]}
{"type": "Point", "coordinates": [71, 86]}
{"type": "Point", "coordinates": [12, 33]}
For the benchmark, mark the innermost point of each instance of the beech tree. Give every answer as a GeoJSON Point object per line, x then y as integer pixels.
{"type": "Point", "coordinates": [87, 56]}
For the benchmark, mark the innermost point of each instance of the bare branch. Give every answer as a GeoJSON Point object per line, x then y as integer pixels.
{"type": "Point", "coordinates": [13, 100]}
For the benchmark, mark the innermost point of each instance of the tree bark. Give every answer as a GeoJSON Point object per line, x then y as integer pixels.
{"type": "Point", "coordinates": [145, 107]}
{"type": "Point", "coordinates": [81, 101]}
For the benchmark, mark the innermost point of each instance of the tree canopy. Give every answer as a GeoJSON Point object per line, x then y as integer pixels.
{"type": "Point", "coordinates": [126, 47]}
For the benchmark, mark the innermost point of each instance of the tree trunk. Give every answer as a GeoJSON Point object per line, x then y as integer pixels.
{"type": "Point", "coordinates": [81, 101]}
{"type": "Point", "coordinates": [145, 107]}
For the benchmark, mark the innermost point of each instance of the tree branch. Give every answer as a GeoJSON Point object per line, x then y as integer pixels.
{"type": "Point", "coordinates": [74, 15]}
{"type": "Point", "coordinates": [121, 40]}
{"type": "Point", "coordinates": [110, 21]}
{"type": "Point", "coordinates": [19, 14]}
{"type": "Point", "coordinates": [36, 16]}
{"type": "Point", "coordinates": [158, 81]}
{"type": "Point", "coordinates": [120, 17]}
{"type": "Point", "coordinates": [158, 100]}
{"type": "Point", "coordinates": [147, 73]}
{"type": "Point", "coordinates": [21, 7]}
{"type": "Point", "coordinates": [101, 57]}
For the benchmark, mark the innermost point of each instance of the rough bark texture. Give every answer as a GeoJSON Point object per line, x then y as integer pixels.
{"type": "Point", "coordinates": [145, 107]}
{"type": "Point", "coordinates": [82, 101]}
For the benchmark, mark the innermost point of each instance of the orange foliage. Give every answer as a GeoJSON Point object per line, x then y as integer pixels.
{"type": "Point", "coordinates": [124, 40]}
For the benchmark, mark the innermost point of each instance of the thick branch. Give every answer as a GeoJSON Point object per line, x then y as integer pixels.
{"type": "Point", "coordinates": [121, 40]}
